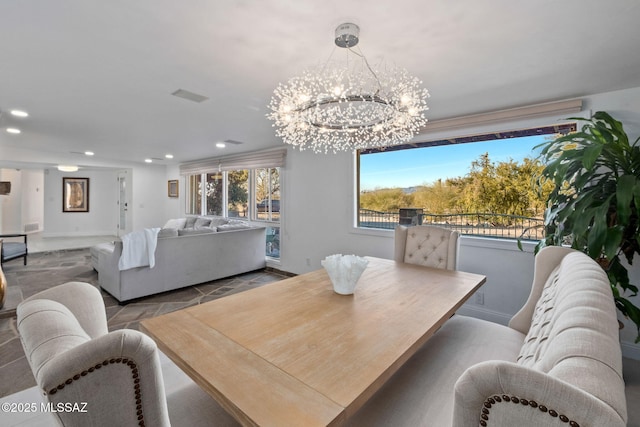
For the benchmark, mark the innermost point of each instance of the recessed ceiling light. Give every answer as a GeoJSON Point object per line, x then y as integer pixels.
{"type": "Point", "coordinates": [220, 144]}
{"type": "Point", "coordinates": [19, 113]}
{"type": "Point", "coordinates": [148, 160]}
{"type": "Point", "coordinates": [89, 153]}
{"type": "Point", "coordinates": [63, 168]}
{"type": "Point", "coordinates": [168, 156]}
{"type": "Point", "coordinates": [13, 130]}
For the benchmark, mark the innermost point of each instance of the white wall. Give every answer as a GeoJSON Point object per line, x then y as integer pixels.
{"type": "Point", "coordinates": [149, 197]}
{"type": "Point", "coordinates": [318, 214]}
{"type": "Point", "coordinates": [24, 205]}
{"type": "Point", "coordinates": [11, 204]}
{"type": "Point", "coordinates": [102, 216]}
{"type": "Point", "coordinates": [32, 198]}
{"type": "Point", "coordinates": [147, 193]}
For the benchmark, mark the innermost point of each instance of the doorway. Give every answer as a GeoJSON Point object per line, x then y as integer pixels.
{"type": "Point", "coordinates": [124, 216]}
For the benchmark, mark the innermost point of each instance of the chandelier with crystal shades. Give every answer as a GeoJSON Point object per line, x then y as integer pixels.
{"type": "Point", "coordinates": [348, 106]}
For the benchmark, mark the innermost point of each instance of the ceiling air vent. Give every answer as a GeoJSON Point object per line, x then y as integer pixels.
{"type": "Point", "coordinates": [181, 93]}
{"type": "Point", "coordinates": [231, 141]}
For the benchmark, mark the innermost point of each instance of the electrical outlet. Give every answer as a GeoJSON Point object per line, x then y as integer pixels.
{"type": "Point", "coordinates": [480, 298]}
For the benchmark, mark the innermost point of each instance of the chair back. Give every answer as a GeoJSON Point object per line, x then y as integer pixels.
{"type": "Point", "coordinates": [89, 376]}
{"type": "Point", "coordinates": [426, 245]}
{"type": "Point", "coordinates": [10, 249]}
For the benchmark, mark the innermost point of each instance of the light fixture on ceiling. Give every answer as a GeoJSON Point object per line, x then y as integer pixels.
{"type": "Point", "coordinates": [19, 113]}
{"type": "Point", "coordinates": [168, 156]}
{"type": "Point", "coordinates": [89, 153]}
{"type": "Point", "coordinates": [220, 144]}
{"type": "Point", "coordinates": [148, 160]}
{"type": "Point", "coordinates": [349, 106]}
{"type": "Point", "coordinates": [67, 168]}
{"type": "Point", "coordinates": [14, 131]}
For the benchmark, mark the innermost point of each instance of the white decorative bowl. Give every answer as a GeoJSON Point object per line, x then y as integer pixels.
{"type": "Point", "coordinates": [344, 271]}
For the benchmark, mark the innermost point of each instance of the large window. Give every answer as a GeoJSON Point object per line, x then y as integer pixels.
{"type": "Point", "coordinates": [227, 193]}
{"type": "Point", "coordinates": [481, 185]}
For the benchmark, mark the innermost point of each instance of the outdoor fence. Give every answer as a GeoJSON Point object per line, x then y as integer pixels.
{"type": "Point", "coordinates": [475, 224]}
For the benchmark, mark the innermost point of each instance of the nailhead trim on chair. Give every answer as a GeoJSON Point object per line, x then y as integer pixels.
{"type": "Point", "coordinates": [136, 382]}
{"type": "Point", "coordinates": [514, 399]}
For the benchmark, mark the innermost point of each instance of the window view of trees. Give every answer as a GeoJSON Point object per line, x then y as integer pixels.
{"type": "Point", "coordinates": [227, 193]}
{"type": "Point", "coordinates": [484, 195]}
{"type": "Point", "coordinates": [495, 187]}
{"type": "Point", "coordinates": [268, 194]}
{"type": "Point", "coordinates": [238, 193]}
{"type": "Point", "coordinates": [213, 190]}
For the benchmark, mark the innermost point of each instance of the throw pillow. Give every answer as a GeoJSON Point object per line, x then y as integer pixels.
{"type": "Point", "coordinates": [176, 223]}
{"type": "Point", "coordinates": [201, 223]}
{"type": "Point", "coordinates": [217, 221]}
{"type": "Point", "coordinates": [191, 220]}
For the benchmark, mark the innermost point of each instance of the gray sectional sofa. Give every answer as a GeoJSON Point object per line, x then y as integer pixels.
{"type": "Point", "coordinates": [189, 251]}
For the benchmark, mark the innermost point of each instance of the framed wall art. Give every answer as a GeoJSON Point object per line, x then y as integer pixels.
{"type": "Point", "coordinates": [173, 188]}
{"type": "Point", "coordinates": [75, 194]}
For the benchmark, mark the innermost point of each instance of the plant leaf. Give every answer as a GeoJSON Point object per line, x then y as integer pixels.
{"type": "Point", "coordinates": [590, 155]}
{"type": "Point", "coordinates": [624, 195]}
{"type": "Point", "coordinates": [612, 242]}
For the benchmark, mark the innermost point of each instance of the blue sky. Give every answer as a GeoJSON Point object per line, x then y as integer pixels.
{"type": "Point", "coordinates": [408, 168]}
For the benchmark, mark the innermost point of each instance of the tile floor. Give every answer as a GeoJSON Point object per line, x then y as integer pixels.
{"type": "Point", "coordinates": [50, 268]}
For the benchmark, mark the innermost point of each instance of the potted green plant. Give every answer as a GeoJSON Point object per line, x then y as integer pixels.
{"type": "Point", "coordinates": [595, 203]}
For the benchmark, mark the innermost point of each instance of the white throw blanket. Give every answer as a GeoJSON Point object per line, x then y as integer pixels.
{"type": "Point", "coordinates": [139, 249]}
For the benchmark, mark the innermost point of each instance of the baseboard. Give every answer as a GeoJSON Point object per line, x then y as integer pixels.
{"type": "Point", "coordinates": [78, 234]}
{"type": "Point", "coordinates": [630, 350]}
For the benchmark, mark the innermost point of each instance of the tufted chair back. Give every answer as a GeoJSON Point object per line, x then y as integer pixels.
{"type": "Point", "coordinates": [426, 245]}
{"type": "Point", "coordinates": [104, 378]}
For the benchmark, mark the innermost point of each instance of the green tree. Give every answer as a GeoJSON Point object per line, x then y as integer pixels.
{"type": "Point", "coordinates": [386, 199]}
{"type": "Point", "coordinates": [437, 198]}
{"type": "Point", "coordinates": [504, 187]}
{"type": "Point", "coordinates": [507, 187]}
{"type": "Point", "coordinates": [238, 191]}
{"type": "Point", "coordinates": [267, 182]}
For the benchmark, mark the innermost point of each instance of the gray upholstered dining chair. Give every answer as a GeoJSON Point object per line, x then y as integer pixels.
{"type": "Point", "coordinates": [426, 245]}
{"type": "Point", "coordinates": [11, 249]}
{"type": "Point", "coordinates": [115, 378]}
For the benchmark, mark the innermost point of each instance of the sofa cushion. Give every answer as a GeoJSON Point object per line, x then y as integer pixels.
{"type": "Point", "coordinates": [167, 232]}
{"type": "Point", "coordinates": [176, 223]}
{"type": "Point", "coordinates": [233, 225]}
{"type": "Point", "coordinates": [192, 231]}
{"type": "Point", "coordinates": [13, 249]}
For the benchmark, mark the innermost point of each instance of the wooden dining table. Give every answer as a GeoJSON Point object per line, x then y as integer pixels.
{"type": "Point", "coordinates": [295, 353]}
